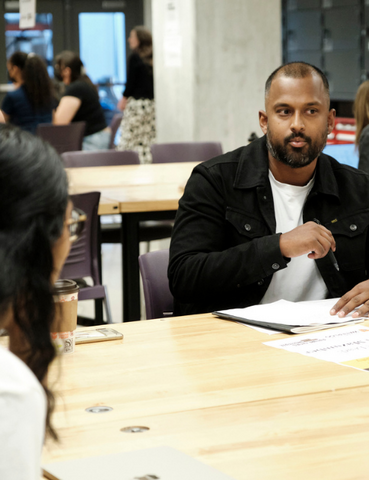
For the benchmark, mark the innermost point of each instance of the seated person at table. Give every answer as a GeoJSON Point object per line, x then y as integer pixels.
{"type": "Point", "coordinates": [257, 224]}
{"type": "Point", "coordinates": [80, 102]}
{"type": "Point", "coordinates": [34, 242]}
{"type": "Point", "coordinates": [33, 101]}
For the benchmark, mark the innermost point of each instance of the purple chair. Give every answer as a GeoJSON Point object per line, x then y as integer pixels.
{"type": "Point", "coordinates": [111, 232]}
{"type": "Point", "coordinates": [99, 158]}
{"type": "Point", "coordinates": [185, 152]}
{"type": "Point", "coordinates": [83, 260]}
{"type": "Point", "coordinates": [64, 138]}
{"type": "Point", "coordinates": [158, 299]}
{"type": "Point", "coordinates": [114, 125]}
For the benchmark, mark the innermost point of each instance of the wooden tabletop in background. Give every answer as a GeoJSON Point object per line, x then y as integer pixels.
{"type": "Point", "coordinates": [135, 188]}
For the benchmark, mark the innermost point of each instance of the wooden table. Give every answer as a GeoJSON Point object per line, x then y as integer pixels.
{"type": "Point", "coordinates": [210, 388]}
{"type": "Point", "coordinates": [138, 193]}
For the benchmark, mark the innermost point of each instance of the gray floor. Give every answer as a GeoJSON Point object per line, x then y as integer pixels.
{"type": "Point", "coordinates": [112, 278]}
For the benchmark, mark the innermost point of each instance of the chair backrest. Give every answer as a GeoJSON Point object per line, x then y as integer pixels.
{"type": "Point", "coordinates": [158, 299]}
{"type": "Point", "coordinates": [82, 260]}
{"type": "Point", "coordinates": [185, 152]}
{"type": "Point", "coordinates": [114, 125]}
{"type": "Point", "coordinates": [64, 138]}
{"type": "Point", "coordinates": [100, 158]}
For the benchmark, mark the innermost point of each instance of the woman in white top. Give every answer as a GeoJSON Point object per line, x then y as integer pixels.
{"type": "Point", "coordinates": [34, 243]}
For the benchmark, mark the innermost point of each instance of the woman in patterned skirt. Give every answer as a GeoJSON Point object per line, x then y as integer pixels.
{"type": "Point", "coordinates": [138, 124]}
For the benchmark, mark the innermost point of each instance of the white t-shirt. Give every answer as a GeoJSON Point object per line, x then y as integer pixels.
{"type": "Point", "coordinates": [22, 419]}
{"type": "Point", "coordinates": [301, 280]}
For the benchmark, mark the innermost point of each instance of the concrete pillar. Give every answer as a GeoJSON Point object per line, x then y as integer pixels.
{"type": "Point", "coordinates": [211, 60]}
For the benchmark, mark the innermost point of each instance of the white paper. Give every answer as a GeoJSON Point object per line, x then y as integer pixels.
{"type": "Point", "coordinates": [27, 13]}
{"type": "Point", "coordinates": [347, 346]}
{"type": "Point", "coordinates": [315, 312]}
{"type": "Point", "coordinates": [172, 35]}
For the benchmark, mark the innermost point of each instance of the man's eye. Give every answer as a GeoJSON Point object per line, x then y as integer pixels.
{"type": "Point", "coordinates": [284, 111]}
{"type": "Point", "coordinates": [312, 111]}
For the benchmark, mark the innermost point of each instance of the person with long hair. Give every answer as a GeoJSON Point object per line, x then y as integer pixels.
{"type": "Point", "coordinates": [80, 102]}
{"type": "Point", "coordinates": [33, 101]}
{"type": "Point", "coordinates": [361, 113]}
{"type": "Point", "coordinates": [138, 129]}
{"type": "Point", "coordinates": [34, 243]}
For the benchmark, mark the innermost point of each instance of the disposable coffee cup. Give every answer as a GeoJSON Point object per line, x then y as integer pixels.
{"type": "Point", "coordinates": [65, 321]}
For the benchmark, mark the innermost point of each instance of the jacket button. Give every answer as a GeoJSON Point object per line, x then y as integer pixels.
{"type": "Point", "coordinates": [275, 266]}
{"type": "Point", "coordinates": [247, 227]}
{"type": "Point", "coordinates": [261, 282]}
{"type": "Point", "coordinates": [353, 227]}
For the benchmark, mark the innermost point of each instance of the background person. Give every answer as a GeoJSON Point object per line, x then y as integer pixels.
{"type": "Point", "coordinates": [34, 243]}
{"type": "Point", "coordinates": [138, 131]}
{"type": "Point", "coordinates": [80, 102]}
{"type": "Point", "coordinates": [33, 101]}
{"type": "Point", "coordinates": [361, 112]}
{"type": "Point", "coordinates": [256, 225]}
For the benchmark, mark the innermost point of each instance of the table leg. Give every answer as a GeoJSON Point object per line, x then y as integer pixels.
{"type": "Point", "coordinates": [130, 253]}
{"type": "Point", "coordinates": [131, 275]}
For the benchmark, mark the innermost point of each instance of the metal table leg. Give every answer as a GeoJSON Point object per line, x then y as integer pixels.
{"type": "Point", "coordinates": [130, 253]}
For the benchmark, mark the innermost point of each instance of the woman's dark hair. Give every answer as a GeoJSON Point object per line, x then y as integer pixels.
{"type": "Point", "coordinates": [36, 80]}
{"type": "Point", "coordinates": [33, 202]}
{"type": "Point", "coordinates": [72, 60]}
{"type": "Point", "coordinates": [145, 47]}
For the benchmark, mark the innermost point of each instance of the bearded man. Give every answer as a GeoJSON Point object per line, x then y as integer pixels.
{"type": "Point", "coordinates": [276, 219]}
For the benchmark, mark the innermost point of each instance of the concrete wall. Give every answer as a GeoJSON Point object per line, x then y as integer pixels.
{"type": "Point", "coordinates": [213, 88]}
{"type": "Point", "coordinates": [174, 41]}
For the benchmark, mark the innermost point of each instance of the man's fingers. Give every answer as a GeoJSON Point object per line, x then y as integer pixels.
{"type": "Point", "coordinates": [357, 297]}
{"type": "Point", "coordinates": [344, 300]}
{"type": "Point", "coordinates": [321, 248]}
{"type": "Point", "coordinates": [362, 311]}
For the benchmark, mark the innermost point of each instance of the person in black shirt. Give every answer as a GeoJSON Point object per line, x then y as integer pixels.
{"type": "Point", "coordinates": [138, 124]}
{"type": "Point", "coordinates": [80, 102]}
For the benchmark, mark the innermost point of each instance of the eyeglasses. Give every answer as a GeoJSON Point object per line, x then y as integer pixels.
{"type": "Point", "coordinates": [76, 224]}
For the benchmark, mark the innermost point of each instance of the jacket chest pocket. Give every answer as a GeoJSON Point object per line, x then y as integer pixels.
{"type": "Point", "coordinates": [350, 234]}
{"type": "Point", "coordinates": [245, 225]}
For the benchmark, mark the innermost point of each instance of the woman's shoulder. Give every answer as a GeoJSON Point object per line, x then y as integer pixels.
{"type": "Point", "coordinates": [135, 59]}
{"type": "Point", "coordinates": [16, 379]}
{"type": "Point", "coordinates": [17, 93]}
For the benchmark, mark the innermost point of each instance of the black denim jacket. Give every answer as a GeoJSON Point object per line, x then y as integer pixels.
{"type": "Point", "coordinates": [224, 247]}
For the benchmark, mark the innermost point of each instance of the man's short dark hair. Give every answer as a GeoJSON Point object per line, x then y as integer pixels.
{"type": "Point", "coordinates": [296, 70]}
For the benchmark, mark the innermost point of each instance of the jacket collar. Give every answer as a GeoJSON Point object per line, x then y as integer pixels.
{"type": "Point", "coordinates": [253, 169]}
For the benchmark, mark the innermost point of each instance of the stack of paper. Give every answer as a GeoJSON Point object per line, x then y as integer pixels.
{"type": "Point", "coordinates": [291, 317]}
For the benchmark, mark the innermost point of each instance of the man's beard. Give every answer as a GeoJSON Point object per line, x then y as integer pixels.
{"type": "Point", "coordinates": [295, 158]}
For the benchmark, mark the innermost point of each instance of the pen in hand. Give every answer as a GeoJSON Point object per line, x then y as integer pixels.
{"type": "Point", "coordinates": [330, 254]}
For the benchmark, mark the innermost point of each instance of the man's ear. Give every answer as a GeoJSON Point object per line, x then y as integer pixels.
{"type": "Point", "coordinates": [331, 118]}
{"type": "Point", "coordinates": [263, 121]}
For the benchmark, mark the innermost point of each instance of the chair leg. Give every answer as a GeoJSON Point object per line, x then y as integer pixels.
{"type": "Point", "coordinates": [99, 312]}
{"type": "Point", "coordinates": [109, 317]}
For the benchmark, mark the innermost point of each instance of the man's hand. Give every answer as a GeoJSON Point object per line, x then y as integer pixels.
{"type": "Point", "coordinates": [310, 238]}
{"type": "Point", "coordinates": [359, 295]}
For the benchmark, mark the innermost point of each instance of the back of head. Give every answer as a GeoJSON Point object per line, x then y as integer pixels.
{"type": "Point", "coordinates": [37, 82]}
{"type": "Point", "coordinates": [72, 60]}
{"type": "Point", "coordinates": [18, 59]}
{"type": "Point", "coordinates": [297, 70]}
{"type": "Point", "coordinates": [145, 48]}
{"type": "Point", "coordinates": [361, 109]}
{"type": "Point", "coordinates": [33, 201]}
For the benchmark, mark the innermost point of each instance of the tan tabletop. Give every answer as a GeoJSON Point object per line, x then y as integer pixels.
{"type": "Point", "coordinates": [210, 388]}
{"type": "Point", "coordinates": [136, 188]}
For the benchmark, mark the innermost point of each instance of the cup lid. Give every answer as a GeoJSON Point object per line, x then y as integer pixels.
{"type": "Point", "coordinates": [64, 285]}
